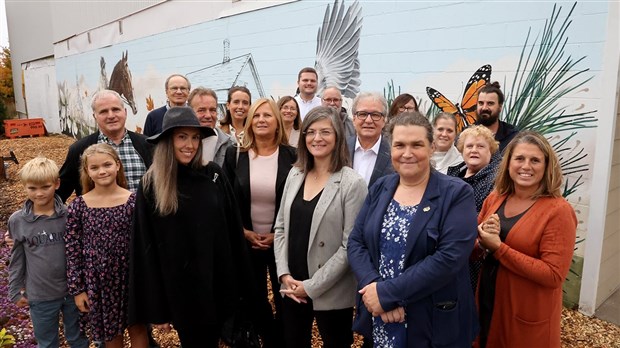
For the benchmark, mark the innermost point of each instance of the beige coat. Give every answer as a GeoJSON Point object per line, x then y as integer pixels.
{"type": "Point", "coordinates": [331, 284]}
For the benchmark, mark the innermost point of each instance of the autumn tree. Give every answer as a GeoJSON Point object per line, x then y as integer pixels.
{"type": "Point", "coordinates": [6, 75]}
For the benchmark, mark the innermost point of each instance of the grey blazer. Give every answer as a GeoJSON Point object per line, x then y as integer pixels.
{"type": "Point", "coordinates": [331, 284]}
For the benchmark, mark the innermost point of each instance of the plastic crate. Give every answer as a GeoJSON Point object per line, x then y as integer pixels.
{"type": "Point", "coordinates": [31, 127]}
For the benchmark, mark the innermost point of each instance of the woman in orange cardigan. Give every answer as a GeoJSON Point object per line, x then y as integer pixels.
{"type": "Point", "coordinates": [527, 230]}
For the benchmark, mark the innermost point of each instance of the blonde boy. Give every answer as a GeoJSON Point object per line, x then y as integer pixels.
{"type": "Point", "coordinates": [37, 276]}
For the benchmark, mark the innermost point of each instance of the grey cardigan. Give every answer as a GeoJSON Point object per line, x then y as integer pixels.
{"type": "Point", "coordinates": [331, 284]}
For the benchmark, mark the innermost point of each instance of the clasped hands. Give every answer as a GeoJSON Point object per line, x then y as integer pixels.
{"type": "Point", "coordinates": [488, 233]}
{"type": "Point", "coordinates": [372, 304]}
{"type": "Point", "coordinates": [294, 289]}
{"type": "Point", "coordinates": [260, 241]}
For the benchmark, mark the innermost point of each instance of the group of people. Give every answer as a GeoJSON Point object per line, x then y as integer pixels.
{"type": "Point", "coordinates": [350, 220]}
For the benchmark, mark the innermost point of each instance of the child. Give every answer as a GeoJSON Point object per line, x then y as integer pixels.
{"type": "Point", "coordinates": [97, 239]}
{"type": "Point", "coordinates": [37, 276]}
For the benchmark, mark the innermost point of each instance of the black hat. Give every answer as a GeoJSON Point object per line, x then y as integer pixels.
{"type": "Point", "coordinates": [180, 116]}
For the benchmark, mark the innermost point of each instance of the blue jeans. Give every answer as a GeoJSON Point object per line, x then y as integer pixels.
{"type": "Point", "coordinates": [45, 317]}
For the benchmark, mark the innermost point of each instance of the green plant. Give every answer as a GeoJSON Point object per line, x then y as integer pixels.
{"type": "Point", "coordinates": [539, 84]}
{"type": "Point", "coordinates": [390, 93]}
{"type": "Point", "coordinates": [6, 340]}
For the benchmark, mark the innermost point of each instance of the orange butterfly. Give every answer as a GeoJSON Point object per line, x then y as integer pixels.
{"type": "Point", "coordinates": [465, 112]}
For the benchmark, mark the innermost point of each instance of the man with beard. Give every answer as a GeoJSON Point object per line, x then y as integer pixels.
{"type": "Point", "coordinates": [490, 102]}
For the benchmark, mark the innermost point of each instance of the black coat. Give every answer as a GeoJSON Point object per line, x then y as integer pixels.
{"type": "Point", "coordinates": [238, 173]}
{"type": "Point", "coordinates": [70, 171]}
{"type": "Point", "coordinates": [189, 268]}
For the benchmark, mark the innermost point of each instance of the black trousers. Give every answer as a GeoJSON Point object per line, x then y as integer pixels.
{"type": "Point", "coordinates": [269, 327]}
{"type": "Point", "coordinates": [334, 326]}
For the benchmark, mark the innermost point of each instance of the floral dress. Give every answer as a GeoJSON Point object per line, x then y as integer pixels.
{"type": "Point", "coordinates": [392, 246]}
{"type": "Point", "coordinates": [97, 250]}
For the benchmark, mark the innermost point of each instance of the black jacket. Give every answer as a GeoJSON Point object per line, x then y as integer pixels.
{"type": "Point", "coordinates": [70, 171]}
{"type": "Point", "coordinates": [238, 173]}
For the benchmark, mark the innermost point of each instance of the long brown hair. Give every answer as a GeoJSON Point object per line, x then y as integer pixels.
{"type": "Point", "coordinates": [87, 183]}
{"type": "Point", "coordinates": [551, 183]}
{"type": "Point", "coordinates": [227, 120]}
{"type": "Point", "coordinates": [161, 177]}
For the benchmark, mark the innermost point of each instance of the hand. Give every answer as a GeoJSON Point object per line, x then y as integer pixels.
{"type": "Point", "coordinates": [396, 315]}
{"type": "Point", "coordinates": [256, 240]}
{"type": "Point", "coordinates": [22, 302]}
{"type": "Point", "coordinates": [82, 302]}
{"type": "Point", "coordinates": [371, 299]}
{"type": "Point", "coordinates": [488, 233]}
{"type": "Point", "coordinates": [294, 289]}
{"type": "Point", "coordinates": [165, 327]}
{"type": "Point", "coordinates": [8, 240]}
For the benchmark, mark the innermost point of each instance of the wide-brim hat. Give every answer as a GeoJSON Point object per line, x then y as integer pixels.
{"type": "Point", "coordinates": [180, 116]}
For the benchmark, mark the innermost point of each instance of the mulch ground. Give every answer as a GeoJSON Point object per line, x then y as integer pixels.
{"type": "Point", "coordinates": [578, 330]}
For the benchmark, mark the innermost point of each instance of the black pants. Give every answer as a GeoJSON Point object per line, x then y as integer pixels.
{"type": "Point", "coordinates": [269, 327]}
{"type": "Point", "coordinates": [334, 326]}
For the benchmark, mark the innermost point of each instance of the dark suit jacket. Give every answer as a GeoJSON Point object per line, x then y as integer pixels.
{"type": "Point", "coordinates": [434, 287]}
{"type": "Point", "coordinates": [238, 173]}
{"type": "Point", "coordinates": [70, 171]}
{"type": "Point", "coordinates": [383, 165]}
{"type": "Point", "coordinates": [154, 121]}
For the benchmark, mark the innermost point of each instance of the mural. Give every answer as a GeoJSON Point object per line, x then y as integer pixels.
{"type": "Point", "coordinates": [535, 50]}
{"type": "Point", "coordinates": [120, 81]}
{"type": "Point", "coordinates": [465, 111]}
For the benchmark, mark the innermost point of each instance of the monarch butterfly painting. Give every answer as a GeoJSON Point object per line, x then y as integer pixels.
{"type": "Point", "coordinates": [465, 111]}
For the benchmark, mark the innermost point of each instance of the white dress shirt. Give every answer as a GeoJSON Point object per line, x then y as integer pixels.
{"type": "Point", "coordinates": [306, 106]}
{"type": "Point", "coordinates": [364, 160]}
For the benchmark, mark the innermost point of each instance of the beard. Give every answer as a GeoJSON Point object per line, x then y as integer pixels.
{"type": "Point", "coordinates": [487, 119]}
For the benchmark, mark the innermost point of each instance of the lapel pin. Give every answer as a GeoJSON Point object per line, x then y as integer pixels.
{"type": "Point", "coordinates": [426, 209]}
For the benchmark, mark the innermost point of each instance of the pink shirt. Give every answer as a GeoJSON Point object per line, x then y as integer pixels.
{"type": "Point", "coordinates": [263, 171]}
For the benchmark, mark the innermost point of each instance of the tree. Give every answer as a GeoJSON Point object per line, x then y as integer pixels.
{"type": "Point", "coordinates": [6, 75]}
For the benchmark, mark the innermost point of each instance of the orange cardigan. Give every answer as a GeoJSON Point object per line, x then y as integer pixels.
{"type": "Point", "coordinates": [534, 261]}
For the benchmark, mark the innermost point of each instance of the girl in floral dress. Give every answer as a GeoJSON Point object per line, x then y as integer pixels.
{"type": "Point", "coordinates": [97, 247]}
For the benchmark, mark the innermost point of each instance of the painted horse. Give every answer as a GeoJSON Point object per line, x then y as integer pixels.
{"type": "Point", "coordinates": [120, 81]}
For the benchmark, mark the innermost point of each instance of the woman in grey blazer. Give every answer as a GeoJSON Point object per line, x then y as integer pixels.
{"type": "Point", "coordinates": [321, 199]}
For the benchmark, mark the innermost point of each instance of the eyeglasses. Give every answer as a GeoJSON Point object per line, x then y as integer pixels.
{"type": "Point", "coordinates": [289, 108]}
{"type": "Point", "coordinates": [406, 109]}
{"type": "Point", "coordinates": [182, 89]}
{"type": "Point", "coordinates": [332, 100]}
{"type": "Point", "coordinates": [362, 115]}
{"type": "Point", "coordinates": [323, 133]}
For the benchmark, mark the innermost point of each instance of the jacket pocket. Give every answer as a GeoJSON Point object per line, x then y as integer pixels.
{"type": "Point", "coordinates": [530, 333]}
{"type": "Point", "coordinates": [445, 323]}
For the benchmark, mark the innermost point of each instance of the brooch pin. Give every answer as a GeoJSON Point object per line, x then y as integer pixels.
{"type": "Point", "coordinates": [426, 209]}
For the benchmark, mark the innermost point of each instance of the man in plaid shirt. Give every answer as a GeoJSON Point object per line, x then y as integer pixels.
{"type": "Point", "coordinates": [134, 152]}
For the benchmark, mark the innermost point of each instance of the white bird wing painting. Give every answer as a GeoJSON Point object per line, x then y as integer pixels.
{"type": "Point", "coordinates": [337, 45]}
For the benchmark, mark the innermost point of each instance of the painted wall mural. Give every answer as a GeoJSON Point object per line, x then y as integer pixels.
{"type": "Point", "coordinates": [546, 56]}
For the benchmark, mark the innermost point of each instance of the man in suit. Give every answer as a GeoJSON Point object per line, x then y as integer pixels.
{"type": "Point", "coordinates": [134, 152]}
{"type": "Point", "coordinates": [177, 89]}
{"type": "Point", "coordinates": [370, 151]}
{"type": "Point", "coordinates": [204, 103]}
{"type": "Point", "coordinates": [333, 98]}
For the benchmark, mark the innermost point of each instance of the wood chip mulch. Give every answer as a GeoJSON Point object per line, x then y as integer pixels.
{"type": "Point", "coordinates": [578, 330]}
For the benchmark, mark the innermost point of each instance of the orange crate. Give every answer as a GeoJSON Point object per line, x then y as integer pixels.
{"type": "Point", "coordinates": [24, 128]}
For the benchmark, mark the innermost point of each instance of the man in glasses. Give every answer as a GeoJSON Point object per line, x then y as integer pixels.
{"type": "Point", "coordinates": [370, 151]}
{"type": "Point", "coordinates": [333, 98]}
{"type": "Point", "coordinates": [177, 89]}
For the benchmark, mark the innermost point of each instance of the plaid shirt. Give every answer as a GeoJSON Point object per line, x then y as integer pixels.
{"type": "Point", "coordinates": [133, 164]}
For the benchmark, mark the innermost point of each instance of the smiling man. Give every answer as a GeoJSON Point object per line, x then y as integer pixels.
{"type": "Point", "coordinates": [177, 89]}
{"type": "Point", "coordinates": [333, 98]}
{"type": "Point", "coordinates": [370, 152]}
{"type": "Point", "coordinates": [204, 103]}
{"type": "Point", "coordinates": [490, 103]}
{"type": "Point", "coordinates": [132, 148]}
{"type": "Point", "coordinates": [307, 85]}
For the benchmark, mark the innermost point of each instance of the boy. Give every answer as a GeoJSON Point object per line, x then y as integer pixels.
{"type": "Point", "coordinates": [37, 276]}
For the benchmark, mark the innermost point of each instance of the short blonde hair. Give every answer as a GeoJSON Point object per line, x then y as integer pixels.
{"type": "Point", "coordinates": [478, 131]}
{"type": "Point", "coordinates": [39, 170]}
{"type": "Point", "coordinates": [249, 142]}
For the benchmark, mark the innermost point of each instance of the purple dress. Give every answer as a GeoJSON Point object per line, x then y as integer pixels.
{"type": "Point", "coordinates": [97, 250]}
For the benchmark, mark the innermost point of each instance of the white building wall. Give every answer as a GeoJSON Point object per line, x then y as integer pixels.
{"type": "Point", "coordinates": [42, 92]}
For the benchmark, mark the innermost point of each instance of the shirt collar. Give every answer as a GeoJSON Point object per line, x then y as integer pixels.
{"type": "Point", "coordinates": [374, 148]}
{"type": "Point", "coordinates": [104, 138]}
